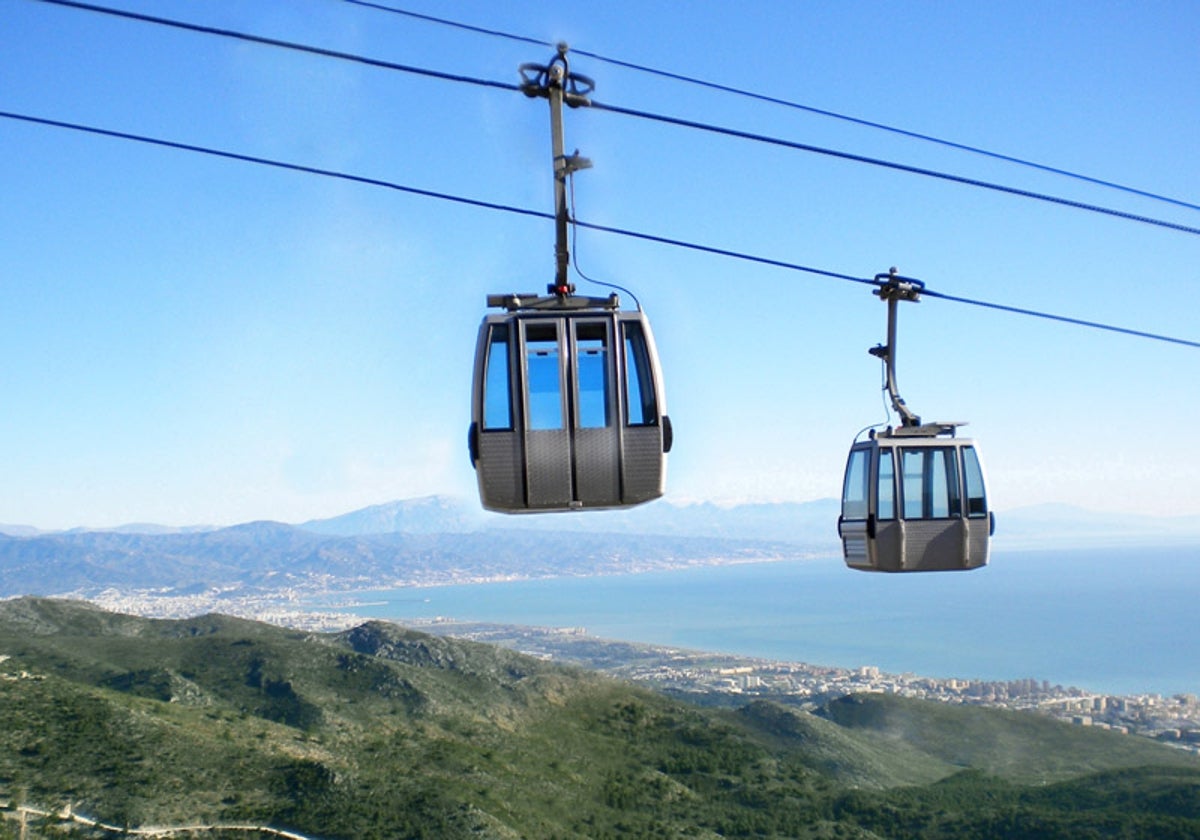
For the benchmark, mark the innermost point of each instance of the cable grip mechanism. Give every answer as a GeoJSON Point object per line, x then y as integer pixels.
{"type": "Point", "coordinates": [538, 80]}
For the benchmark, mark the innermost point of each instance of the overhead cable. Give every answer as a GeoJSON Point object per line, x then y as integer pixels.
{"type": "Point", "coordinates": [901, 167]}
{"type": "Point", "coordinates": [1016, 310]}
{"type": "Point", "coordinates": [507, 208]}
{"type": "Point", "coordinates": [539, 42]}
{"type": "Point", "coordinates": [745, 135]}
{"type": "Point", "coordinates": [275, 42]}
{"type": "Point", "coordinates": [708, 249]}
{"type": "Point", "coordinates": [787, 103]}
{"type": "Point", "coordinates": [277, 164]}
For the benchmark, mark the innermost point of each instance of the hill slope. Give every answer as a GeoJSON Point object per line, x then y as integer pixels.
{"type": "Point", "coordinates": [384, 732]}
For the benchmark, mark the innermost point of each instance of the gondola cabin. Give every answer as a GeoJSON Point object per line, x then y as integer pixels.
{"type": "Point", "coordinates": [914, 500]}
{"type": "Point", "coordinates": [567, 408]}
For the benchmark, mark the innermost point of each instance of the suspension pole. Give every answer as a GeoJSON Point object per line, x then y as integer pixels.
{"type": "Point", "coordinates": [892, 291]}
{"type": "Point", "coordinates": [562, 256]}
{"type": "Point", "coordinates": [556, 83]}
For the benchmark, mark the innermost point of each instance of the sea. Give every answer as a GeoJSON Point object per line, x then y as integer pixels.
{"type": "Point", "coordinates": [1120, 621]}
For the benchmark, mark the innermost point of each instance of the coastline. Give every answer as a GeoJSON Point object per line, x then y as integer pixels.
{"type": "Point", "coordinates": [1078, 620]}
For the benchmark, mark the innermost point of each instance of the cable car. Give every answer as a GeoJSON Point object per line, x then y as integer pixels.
{"type": "Point", "coordinates": [568, 410]}
{"type": "Point", "coordinates": [914, 497]}
{"type": "Point", "coordinates": [914, 500]}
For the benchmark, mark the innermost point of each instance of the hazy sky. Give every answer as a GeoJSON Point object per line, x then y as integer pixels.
{"type": "Point", "coordinates": [186, 339]}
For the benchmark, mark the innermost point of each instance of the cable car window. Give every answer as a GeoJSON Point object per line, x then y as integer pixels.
{"type": "Point", "coordinates": [930, 483]}
{"type": "Point", "coordinates": [913, 466]}
{"type": "Point", "coordinates": [946, 493]}
{"type": "Point", "coordinates": [886, 490]}
{"type": "Point", "coordinates": [591, 348]}
{"type": "Point", "coordinates": [976, 496]}
{"type": "Point", "coordinates": [641, 404]}
{"type": "Point", "coordinates": [544, 376]}
{"type": "Point", "coordinates": [854, 490]}
{"type": "Point", "coordinates": [497, 384]}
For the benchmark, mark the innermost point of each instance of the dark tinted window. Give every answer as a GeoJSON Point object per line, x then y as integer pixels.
{"type": "Point", "coordinates": [976, 493]}
{"type": "Point", "coordinates": [641, 404]}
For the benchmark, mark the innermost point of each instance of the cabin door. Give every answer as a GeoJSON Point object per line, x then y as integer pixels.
{"type": "Point", "coordinates": [572, 454]}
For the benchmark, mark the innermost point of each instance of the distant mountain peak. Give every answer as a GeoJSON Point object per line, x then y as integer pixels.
{"type": "Point", "coordinates": [423, 515]}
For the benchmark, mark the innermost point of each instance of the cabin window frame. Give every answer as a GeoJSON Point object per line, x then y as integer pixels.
{"type": "Point", "coordinates": [885, 478]}
{"type": "Point", "coordinates": [857, 507]}
{"type": "Point", "coordinates": [497, 381]}
{"type": "Point", "coordinates": [590, 401]}
{"type": "Point", "coordinates": [937, 484]}
{"type": "Point", "coordinates": [540, 388]}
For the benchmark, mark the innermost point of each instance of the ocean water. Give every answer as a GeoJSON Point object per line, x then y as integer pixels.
{"type": "Point", "coordinates": [1120, 621]}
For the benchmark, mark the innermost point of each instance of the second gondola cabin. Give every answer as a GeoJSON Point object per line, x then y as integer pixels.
{"type": "Point", "coordinates": [915, 500]}
{"type": "Point", "coordinates": [568, 410]}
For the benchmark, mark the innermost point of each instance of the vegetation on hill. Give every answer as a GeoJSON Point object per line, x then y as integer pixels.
{"type": "Point", "coordinates": [382, 732]}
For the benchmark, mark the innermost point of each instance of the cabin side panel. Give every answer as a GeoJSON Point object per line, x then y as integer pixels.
{"type": "Point", "coordinates": [644, 465]}
{"type": "Point", "coordinates": [500, 471]}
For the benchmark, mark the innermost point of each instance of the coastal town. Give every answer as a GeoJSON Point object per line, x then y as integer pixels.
{"type": "Point", "coordinates": [1173, 720]}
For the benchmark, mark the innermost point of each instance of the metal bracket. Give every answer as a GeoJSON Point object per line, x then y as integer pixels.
{"type": "Point", "coordinates": [572, 163]}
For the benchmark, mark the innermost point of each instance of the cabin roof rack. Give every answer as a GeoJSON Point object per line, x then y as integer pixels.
{"type": "Point", "coordinates": [517, 301]}
{"type": "Point", "coordinates": [949, 428]}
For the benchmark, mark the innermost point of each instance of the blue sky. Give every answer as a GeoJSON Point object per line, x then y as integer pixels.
{"type": "Point", "coordinates": [191, 340]}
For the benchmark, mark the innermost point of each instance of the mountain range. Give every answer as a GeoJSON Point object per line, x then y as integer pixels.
{"type": "Point", "coordinates": [441, 540]}
{"type": "Point", "coordinates": [812, 523]}
{"type": "Point", "coordinates": [270, 556]}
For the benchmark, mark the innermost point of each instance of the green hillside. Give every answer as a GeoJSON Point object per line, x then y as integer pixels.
{"type": "Point", "coordinates": [382, 732]}
{"type": "Point", "coordinates": [1018, 746]}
